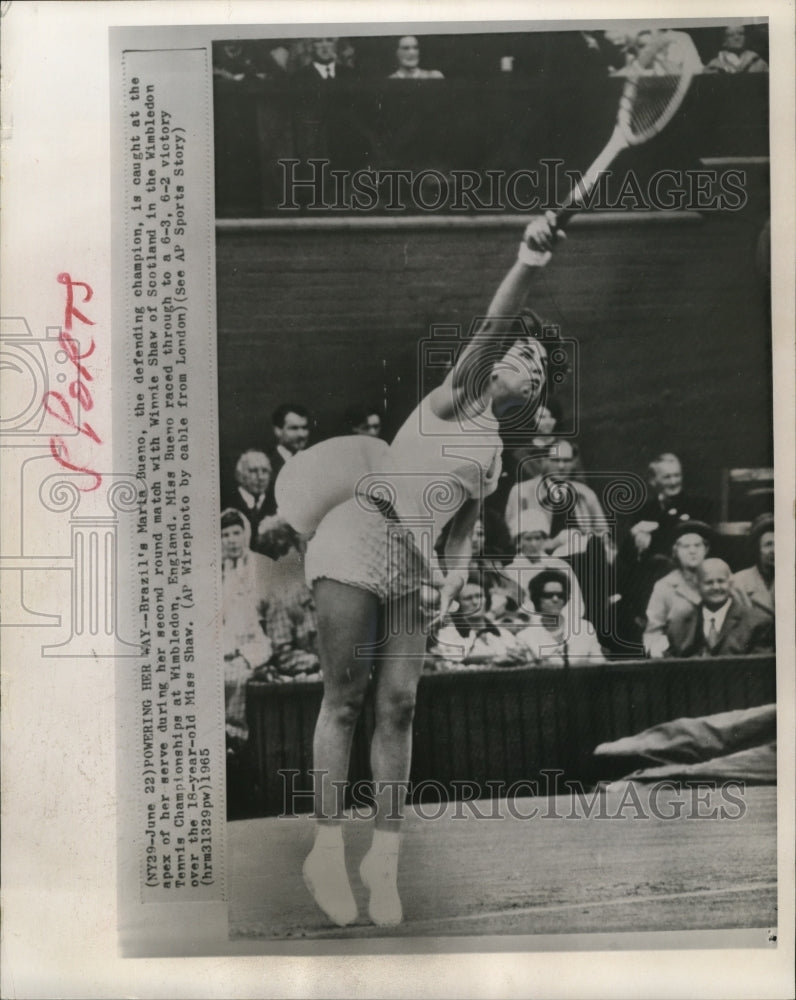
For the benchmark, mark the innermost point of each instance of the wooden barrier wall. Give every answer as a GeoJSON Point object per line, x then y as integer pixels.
{"type": "Point", "coordinates": [508, 725]}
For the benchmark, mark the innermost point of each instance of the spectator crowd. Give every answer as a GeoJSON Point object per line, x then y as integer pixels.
{"type": "Point", "coordinates": [737, 48]}
{"type": "Point", "coordinates": [379, 104]}
{"type": "Point", "coordinates": [556, 581]}
{"type": "Point", "coordinates": [550, 584]}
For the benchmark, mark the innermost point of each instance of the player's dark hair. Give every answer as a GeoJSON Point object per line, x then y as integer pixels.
{"type": "Point", "coordinates": [532, 323]}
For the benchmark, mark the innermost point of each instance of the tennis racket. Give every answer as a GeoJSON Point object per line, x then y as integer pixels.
{"type": "Point", "coordinates": [657, 83]}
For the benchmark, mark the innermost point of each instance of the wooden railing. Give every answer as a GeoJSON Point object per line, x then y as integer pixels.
{"type": "Point", "coordinates": [507, 725]}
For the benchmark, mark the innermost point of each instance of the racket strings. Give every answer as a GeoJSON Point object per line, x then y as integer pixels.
{"type": "Point", "coordinates": [654, 96]}
{"type": "Point", "coordinates": [648, 104]}
{"type": "Point", "coordinates": [655, 87]}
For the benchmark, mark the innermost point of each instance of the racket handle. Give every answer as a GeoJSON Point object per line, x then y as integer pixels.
{"type": "Point", "coordinates": [563, 216]}
{"type": "Point", "coordinates": [583, 188]}
{"type": "Point", "coordinates": [572, 205]}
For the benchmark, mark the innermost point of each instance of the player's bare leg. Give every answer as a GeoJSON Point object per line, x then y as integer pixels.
{"type": "Point", "coordinates": [397, 677]}
{"type": "Point", "coordinates": [347, 618]}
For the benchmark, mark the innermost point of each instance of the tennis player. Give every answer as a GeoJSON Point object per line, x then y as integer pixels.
{"type": "Point", "coordinates": [367, 562]}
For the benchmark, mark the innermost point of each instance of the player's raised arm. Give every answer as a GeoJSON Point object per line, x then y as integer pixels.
{"type": "Point", "coordinates": [500, 330]}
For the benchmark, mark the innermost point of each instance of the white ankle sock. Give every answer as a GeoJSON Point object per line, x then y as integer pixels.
{"type": "Point", "coordinates": [379, 873]}
{"type": "Point", "coordinates": [385, 843]}
{"type": "Point", "coordinates": [326, 877]}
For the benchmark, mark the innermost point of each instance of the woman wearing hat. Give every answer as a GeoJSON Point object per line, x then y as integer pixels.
{"type": "Point", "coordinates": [755, 585]}
{"type": "Point", "coordinates": [532, 559]}
{"type": "Point", "coordinates": [692, 541]}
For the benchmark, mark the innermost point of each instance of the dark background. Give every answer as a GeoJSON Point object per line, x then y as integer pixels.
{"type": "Point", "coordinates": [670, 320]}
{"type": "Point", "coordinates": [506, 123]}
{"type": "Point", "coordinates": [671, 317]}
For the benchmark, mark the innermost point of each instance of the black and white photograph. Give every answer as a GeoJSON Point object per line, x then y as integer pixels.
{"type": "Point", "coordinates": [497, 484]}
{"type": "Point", "coordinates": [397, 434]}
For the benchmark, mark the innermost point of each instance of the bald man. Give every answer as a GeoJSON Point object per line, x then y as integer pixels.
{"type": "Point", "coordinates": [720, 625]}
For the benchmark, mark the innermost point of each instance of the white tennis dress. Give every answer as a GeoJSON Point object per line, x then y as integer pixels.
{"type": "Point", "coordinates": [382, 537]}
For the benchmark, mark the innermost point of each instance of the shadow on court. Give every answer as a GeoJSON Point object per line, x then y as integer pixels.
{"type": "Point", "coordinates": [612, 871]}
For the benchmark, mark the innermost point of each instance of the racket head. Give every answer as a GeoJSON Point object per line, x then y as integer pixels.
{"type": "Point", "coordinates": [657, 83]}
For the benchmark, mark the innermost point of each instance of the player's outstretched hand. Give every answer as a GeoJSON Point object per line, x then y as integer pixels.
{"type": "Point", "coordinates": [541, 233]}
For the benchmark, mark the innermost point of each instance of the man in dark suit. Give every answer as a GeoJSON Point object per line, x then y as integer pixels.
{"type": "Point", "coordinates": [291, 426]}
{"type": "Point", "coordinates": [667, 506]}
{"type": "Point", "coordinates": [328, 122]}
{"type": "Point", "coordinates": [324, 63]}
{"type": "Point", "coordinates": [253, 475]}
{"type": "Point", "coordinates": [645, 554]}
{"type": "Point", "coordinates": [721, 625]}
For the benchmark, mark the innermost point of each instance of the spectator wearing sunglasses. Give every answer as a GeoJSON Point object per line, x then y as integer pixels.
{"type": "Point", "coordinates": [557, 638]}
